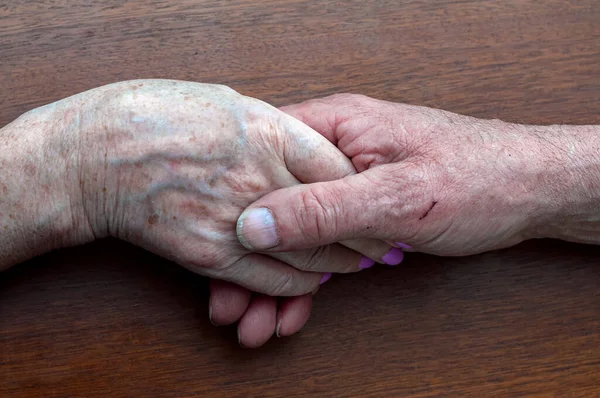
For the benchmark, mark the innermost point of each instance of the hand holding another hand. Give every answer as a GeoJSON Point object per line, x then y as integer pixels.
{"type": "Point", "coordinates": [429, 180]}
{"type": "Point", "coordinates": [177, 162]}
{"type": "Point", "coordinates": [170, 166]}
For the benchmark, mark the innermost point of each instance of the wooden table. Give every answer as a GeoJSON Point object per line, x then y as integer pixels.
{"type": "Point", "coordinates": [112, 320]}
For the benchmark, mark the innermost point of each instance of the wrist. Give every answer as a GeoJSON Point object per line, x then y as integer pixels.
{"type": "Point", "coordinates": [567, 168]}
{"type": "Point", "coordinates": [41, 207]}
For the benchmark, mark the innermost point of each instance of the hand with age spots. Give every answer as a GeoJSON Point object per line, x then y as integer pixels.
{"type": "Point", "coordinates": [170, 166]}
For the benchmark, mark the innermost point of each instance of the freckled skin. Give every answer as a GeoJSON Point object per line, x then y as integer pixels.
{"type": "Point", "coordinates": [191, 184]}
{"type": "Point", "coordinates": [166, 165]}
{"type": "Point", "coordinates": [35, 215]}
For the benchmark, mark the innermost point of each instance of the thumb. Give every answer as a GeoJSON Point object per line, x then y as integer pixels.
{"type": "Point", "coordinates": [310, 215]}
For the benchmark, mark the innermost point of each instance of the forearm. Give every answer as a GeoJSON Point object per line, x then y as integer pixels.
{"type": "Point", "coordinates": [40, 209]}
{"type": "Point", "coordinates": [568, 182]}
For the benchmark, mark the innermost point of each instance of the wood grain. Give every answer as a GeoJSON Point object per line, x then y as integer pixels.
{"type": "Point", "coordinates": [112, 320]}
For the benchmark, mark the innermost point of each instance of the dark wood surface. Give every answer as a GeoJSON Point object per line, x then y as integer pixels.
{"type": "Point", "coordinates": [112, 320]}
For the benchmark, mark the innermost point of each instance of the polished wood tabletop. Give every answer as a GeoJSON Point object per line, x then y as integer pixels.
{"type": "Point", "coordinates": [109, 319]}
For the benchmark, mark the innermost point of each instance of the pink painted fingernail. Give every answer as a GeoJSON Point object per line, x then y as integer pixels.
{"type": "Point", "coordinates": [365, 263]}
{"type": "Point", "coordinates": [326, 277]}
{"type": "Point", "coordinates": [403, 245]}
{"type": "Point", "coordinates": [393, 257]}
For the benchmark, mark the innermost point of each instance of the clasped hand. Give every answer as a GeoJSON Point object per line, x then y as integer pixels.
{"type": "Point", "coordinates": [274, 201]}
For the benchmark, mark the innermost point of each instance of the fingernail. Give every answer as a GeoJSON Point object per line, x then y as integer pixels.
{"type": "Point", "coordinates": [403, 245]}
{"type": "Point", "coordinates": [239, 338]}
{"type": "Point", "coordinates": [393, 257]}
{"type": "Point", "coordinates": [326, 277]}
{"type": "Point", "coordinates": [277, 328]}
{"type": "Point", "coordinates": [256, 229]}
{"type": "Point", "coordinates": [210, 314]}
{"type": "Point", "coordinates": [365, 263]}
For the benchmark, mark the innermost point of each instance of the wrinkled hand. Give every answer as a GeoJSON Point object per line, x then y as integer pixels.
{"type": "Point", "coordinates": [177, 162]}
{"type": "Point", "coordinates": [435, 181]}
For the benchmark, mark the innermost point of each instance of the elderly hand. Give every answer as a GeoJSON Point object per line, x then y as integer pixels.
{"type": "Point", "coordinates": [169, 166]}
{"type": "Point", "coordinates": [435, 182]}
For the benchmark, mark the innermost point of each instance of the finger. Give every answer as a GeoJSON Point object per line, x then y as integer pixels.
{"type": "Point", "coordinates": [258, 322]}
{"type": "Point", "coordinates": [328, 258]}
{"type": "Point", "coordinates": [227, 303]}
{"type": "Point", "coordinates": [292, 315]}
{"type": "Point", "coordinates": [267, 275]}
{"type": "Point", "coordinates": [320, 114]}
{"type": "Point", "coordinates": [326, 115]}
{"type": "Point", "coordinates": [309, 156]}
{"type": "Point", "coordinates": [317, 214]}
{"type": "Point", "coordinates": [376, 250]}
{"type": "Point", "coordinates": [405, 247]}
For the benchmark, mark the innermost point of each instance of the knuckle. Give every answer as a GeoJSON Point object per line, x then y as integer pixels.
{"type": "Point", "coordinates": [284, 286]}
{"type": "Point", "coordinates": [347, 97]}
{"type": "Point", "coordinates": [356, 100]}
{"type": "Point", "coordinates": [317, 258]}
{"type": "Point", "coordinates": [224, 87]}
{"type": "Point", "coordinates": [316, 219]}
{"type": "Point", "coordinates": [210, 263]}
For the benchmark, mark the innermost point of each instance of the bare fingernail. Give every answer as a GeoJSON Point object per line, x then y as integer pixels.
{"type": "Point", "coordinates": [239, 338]}
{"type": "Point", "coordinates": [393, 257]}
{"type": "Point", "coordinates": [277, 328]}
{"type": "Point", "coordinates": [257, 230]}
{"type": "Point", "coordinates": [365, 263]}
{"type": "Point", "coordinates": [403, 245]}
{"type": "Point", "coordinates": [325, 278]}
{"type": "Point", "coordinates": [210, 314]}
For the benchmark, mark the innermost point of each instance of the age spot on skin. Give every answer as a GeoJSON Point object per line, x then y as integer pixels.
{"type": "Point", "coordinates": [30, 169]}
{"type": "Point", "coordinates": [254, 187]}
{"type": "Point", "coordinates": [428, 210]}
{"type": "Point", "coordinates": [153, 219]}
{"type": "Point", "coordinates": [175, 165]}
{"type": "Point", "coordinates": [194, 207]}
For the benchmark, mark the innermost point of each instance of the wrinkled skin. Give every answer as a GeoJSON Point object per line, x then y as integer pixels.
{"type": "Point", "coordinates": [233, 169]}
{"type": "Point", "coordinates": [414, 155]}
{"type": "Point", "coordinates": [179, 161]}
{"type": "Point", "coordinates": [169, 166]}
{"type": "Point", "coordinates": [442, 183]}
